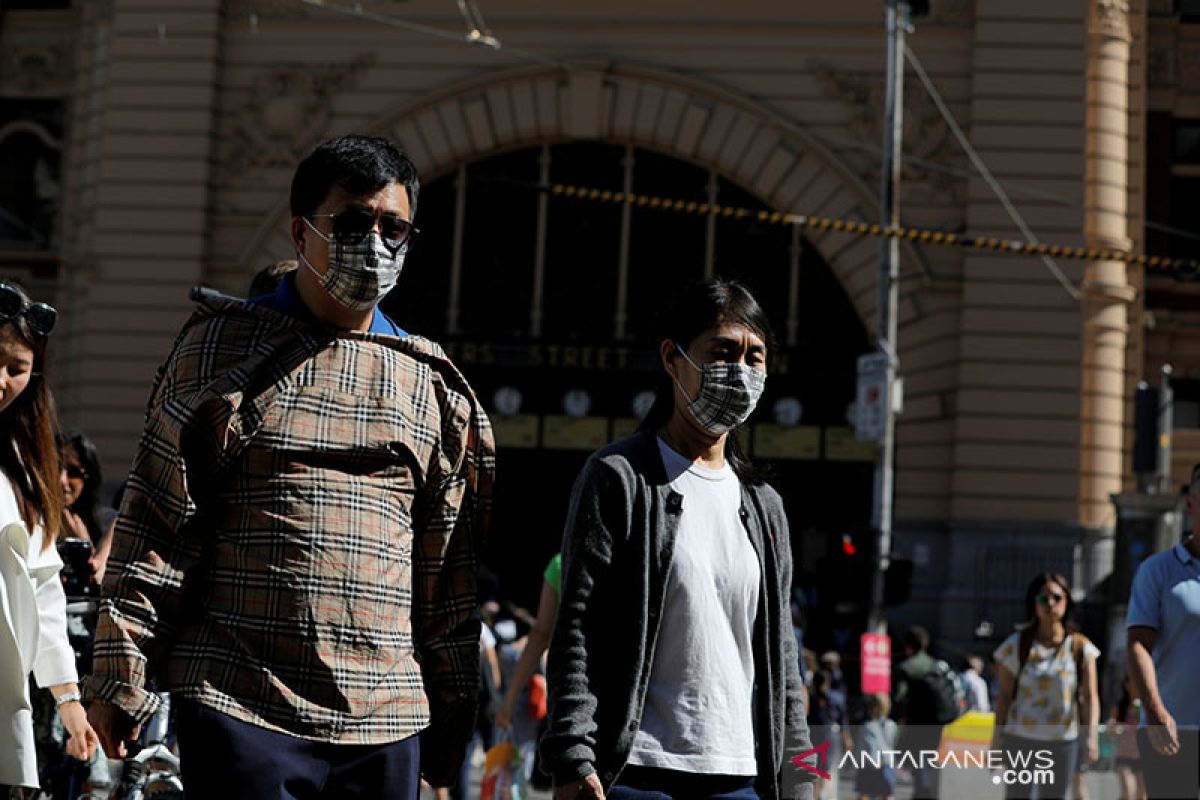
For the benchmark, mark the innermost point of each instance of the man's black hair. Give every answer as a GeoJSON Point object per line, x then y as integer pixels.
{"type": "Point", "coordinates": [916, 638]}
{"type": "Point", "coordinates": [359, 164]}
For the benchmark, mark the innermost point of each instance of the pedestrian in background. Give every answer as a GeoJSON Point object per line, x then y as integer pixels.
{"type": "Point", "coordinates": [1048, 688]}
{"type": "Point", "coordinates": [1163, 654]}
{"type": "Point", "coordinates": [877, 735]}
{"type": "Point", "coordinates": [33, 621]}
{"type": "Point", "coordinates": [975, 686]}
{"type": "Point", "coordinates": [673, 669]}
{"type": "Point", "coordinates": [81, 481]}
{"type": "Point", "coordinates": [531, 661]}
{"type": "Point", "coordinates": [828, 721]}
{"type": "Point", "coordinates": [267, 279]}
{"type": "Point", "coordinates": [1123, 722]}
{"type": "Point", "coordinates": [928, 695]}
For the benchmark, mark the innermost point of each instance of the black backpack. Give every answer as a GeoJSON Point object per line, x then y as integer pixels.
{"type": "Point", "coordinates": [940, 694]}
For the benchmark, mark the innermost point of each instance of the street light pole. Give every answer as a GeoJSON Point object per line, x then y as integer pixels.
{"type": "Point", "coordinates": [887, 301]}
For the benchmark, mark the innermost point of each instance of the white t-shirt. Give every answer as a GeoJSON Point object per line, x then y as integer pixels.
{"type": "Point", "coordinates": [698, 715]}
{"type": "Point", "coordinates": [1045, 707]}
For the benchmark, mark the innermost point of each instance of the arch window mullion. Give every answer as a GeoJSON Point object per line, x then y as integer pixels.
{"type": "Point", "coordinates": [710, 229]}
{"type": "Point", "coordinates": [453, 303]}
{"type": "Point", "coordinates": [795, 251]}
{"type": "Point", "coordinates": [621, 317]}
{"type": "Point", "coordinates": [536, 312]}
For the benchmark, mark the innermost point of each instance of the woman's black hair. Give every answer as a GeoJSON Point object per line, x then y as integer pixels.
{"type": "Point", "coordinates": [31, 424]}
{"type": "Point", "coordinates": [698, 308]}
{"type": "Point", "coordinates": [88, 506]}
{"type": "Point", "coordinates": [1035, 588]}
{"type": "Point", "coordinates": [359, 164]}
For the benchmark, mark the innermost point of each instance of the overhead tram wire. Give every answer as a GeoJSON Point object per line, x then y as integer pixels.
{"type": "Point", "coordinates": [484, 37]}
{"type": "Point", "coordinates": [475, 35]}
{"type": "Point", "coordinates": [986, 174]}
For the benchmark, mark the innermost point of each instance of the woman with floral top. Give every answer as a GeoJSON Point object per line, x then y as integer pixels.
{"type": "Point", "coordinates": [1047, 677]}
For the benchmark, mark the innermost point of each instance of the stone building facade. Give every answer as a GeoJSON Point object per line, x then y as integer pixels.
{"type": "Point", "coordinates": [170, 130]}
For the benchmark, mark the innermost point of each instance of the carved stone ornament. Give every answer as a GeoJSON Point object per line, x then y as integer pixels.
{"type": "Point", "coordinates": [34, 70]}
{"type": "Point", "coordinates": [1111, 18]}
{"type": "Point", "coordinates": [288, 110]}
{"type": "Point", "coordinates": [926, 135]}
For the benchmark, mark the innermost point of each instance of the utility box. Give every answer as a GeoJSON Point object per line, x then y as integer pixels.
{"type": "Point", "coordinates": [1146, 524]}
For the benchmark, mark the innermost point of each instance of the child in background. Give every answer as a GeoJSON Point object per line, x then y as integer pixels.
{"type": "Point", "coordinates": [876, 735]}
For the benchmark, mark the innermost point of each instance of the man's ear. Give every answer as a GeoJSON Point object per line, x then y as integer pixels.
{"type": "Point", "coordinates": [297, 231]}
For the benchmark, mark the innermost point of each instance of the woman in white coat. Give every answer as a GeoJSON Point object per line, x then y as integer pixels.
{"type": "Point", "coordinates": [33, 624]}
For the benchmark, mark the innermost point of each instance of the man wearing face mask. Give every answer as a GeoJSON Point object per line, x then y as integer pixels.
{"type": "Point", "coordinates": [296, 551]}
{"type": "Point", "coordinates": [673, 670]}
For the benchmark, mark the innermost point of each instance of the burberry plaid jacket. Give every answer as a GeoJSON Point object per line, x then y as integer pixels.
{"type": "Point", "coordinates": [299, 537]}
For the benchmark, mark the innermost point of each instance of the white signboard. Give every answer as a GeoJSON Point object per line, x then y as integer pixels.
{"type": "Point", "coordinates": [870, 405]}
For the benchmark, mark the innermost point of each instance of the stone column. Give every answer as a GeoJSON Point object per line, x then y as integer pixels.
{"type": "Point", "coordinates": [1107, 292]}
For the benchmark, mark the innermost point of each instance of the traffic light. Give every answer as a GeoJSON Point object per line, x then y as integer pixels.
{"type": "Point", "coordinates": [897, 582]}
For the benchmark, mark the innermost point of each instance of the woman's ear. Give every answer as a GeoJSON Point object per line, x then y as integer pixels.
{"type": "Point", "coordinates": [668, 351]}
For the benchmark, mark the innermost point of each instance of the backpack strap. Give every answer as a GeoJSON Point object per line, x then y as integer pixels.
{"type": "Point", "coordinates": [1078, 644]}
{"type": "Point", "coordinates": [1024, 645]}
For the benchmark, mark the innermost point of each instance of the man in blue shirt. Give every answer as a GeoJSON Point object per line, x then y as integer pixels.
{"type": "Point", "coordinates": [1164, 654]}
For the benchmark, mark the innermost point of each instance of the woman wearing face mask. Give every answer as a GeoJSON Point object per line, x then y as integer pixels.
{"type": "Point", "coordinates": [673, 670]}
{"type": "Point", "coordinates": [33, 626]}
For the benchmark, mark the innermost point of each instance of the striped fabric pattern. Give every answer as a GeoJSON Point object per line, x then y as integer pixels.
{"type": "Point", "coordinates": [300, 534]}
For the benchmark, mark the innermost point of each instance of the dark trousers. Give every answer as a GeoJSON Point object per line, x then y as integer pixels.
{"type": "Point", "coordinates": [1170, 777]}
{"type": "Point", "coordinates": [1064, 756]}
{"type": "Point", "coordinates": [647, 783]}
{"type": "Point", "coordinates": [221, 757]}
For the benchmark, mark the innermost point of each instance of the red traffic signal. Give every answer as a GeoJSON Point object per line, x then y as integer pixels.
{"type": "Point", "coordinates": [848, 546]}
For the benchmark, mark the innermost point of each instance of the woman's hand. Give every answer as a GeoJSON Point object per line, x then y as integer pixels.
{"type": "Point", "coordinates": [504, 714]}
{"type": "Point", "coordinates": [1093, 745]}
{"type": "Point", "coordinates": [75, 525]}
{"type": "Point", "coordinates": [84, 740]}
{"type": "Point", "coordinates": [588, 788]}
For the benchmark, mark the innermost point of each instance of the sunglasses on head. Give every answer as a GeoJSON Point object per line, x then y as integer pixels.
{"type": "Point", "coordinates": [353, 225]}
{"type": "Point", "coordinates": [41, 317]}
{"type": "Point", "coordinates": [1050, 598]}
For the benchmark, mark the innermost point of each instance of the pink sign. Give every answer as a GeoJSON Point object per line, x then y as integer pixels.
{"type": "Point", "coordinates": [876, 663]}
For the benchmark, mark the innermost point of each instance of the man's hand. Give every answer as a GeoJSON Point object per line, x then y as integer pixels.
{"type": "Point", "coordinates": [1160, 727]}
{"type": "Point", "coordinates": [114, 727]}
{"type": "Point", "coordinates": [588, 788]}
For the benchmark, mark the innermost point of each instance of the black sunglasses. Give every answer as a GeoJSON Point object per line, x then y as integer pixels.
{"type": "Point", "coordinates": [354, 224]}
{"type": "Point", "coordinates": [1048, 598]}
{"type": "Point", "coordinates": [76, 472]}
{"type": "Point", "coordinates": [40, 316]}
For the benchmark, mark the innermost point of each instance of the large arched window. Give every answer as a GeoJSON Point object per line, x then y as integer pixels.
{"type": "Point", "coordinates": [525, 291]}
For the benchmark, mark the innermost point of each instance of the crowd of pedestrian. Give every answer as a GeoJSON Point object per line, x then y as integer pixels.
{"type": "Point", "coordinates": [290, 574]}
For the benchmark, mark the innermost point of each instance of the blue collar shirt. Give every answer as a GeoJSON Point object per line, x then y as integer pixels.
{"type": "Point", "coordinates": [1166, 597]}
{"type": "Point", "coordinates": [286, 300]}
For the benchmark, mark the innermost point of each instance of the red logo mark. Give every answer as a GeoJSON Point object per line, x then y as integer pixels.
{"type": "Point", "coordinates": [822, 752]}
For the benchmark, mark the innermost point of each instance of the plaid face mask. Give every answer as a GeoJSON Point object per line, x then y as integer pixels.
{"type": "Point", "coordinates": [360, 273]}
{"type": "Point", "coordinates": [728, 394]}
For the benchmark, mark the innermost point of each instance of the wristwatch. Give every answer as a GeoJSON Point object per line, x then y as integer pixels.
{"type": "Point", "coordinates": [69, 697]}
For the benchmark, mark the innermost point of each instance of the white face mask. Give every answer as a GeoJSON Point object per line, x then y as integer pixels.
{"type": "Point", "coordinates": [361, 273]}
{"type": "Point", "coordinates": [728, 394]}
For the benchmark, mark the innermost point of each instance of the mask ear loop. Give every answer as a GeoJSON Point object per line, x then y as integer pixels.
{"type": "Point", "coordinates": [675, 380]}
{"type": "Point", "coordinates": [328, 240]}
